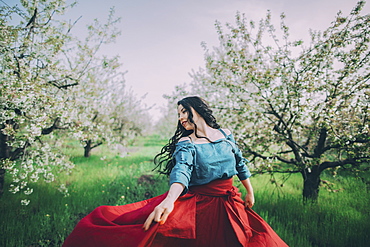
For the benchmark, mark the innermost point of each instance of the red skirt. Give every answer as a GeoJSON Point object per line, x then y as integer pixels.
{"type": "Point", "coordinates": [208, 215]}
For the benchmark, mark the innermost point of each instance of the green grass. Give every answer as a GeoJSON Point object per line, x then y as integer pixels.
{"type": "Point", "coordinates": [102, 179]}
{"type": "Point", "coordinates": [338, 219]}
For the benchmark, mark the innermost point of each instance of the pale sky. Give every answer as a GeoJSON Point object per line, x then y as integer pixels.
{"type": "Point", "coordinates": [160, 41]}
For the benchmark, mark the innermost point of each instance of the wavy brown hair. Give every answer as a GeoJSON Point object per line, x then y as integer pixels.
{"type": "Point", "coordinates": [164, 160]}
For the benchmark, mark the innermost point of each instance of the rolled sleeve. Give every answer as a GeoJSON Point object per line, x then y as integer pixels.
{"type": "Point", "coordinates": [241, 167]}
{"type": "Point", "coordinates": [181, 172]}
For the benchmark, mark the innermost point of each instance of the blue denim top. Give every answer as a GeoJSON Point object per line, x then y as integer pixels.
{"type": "Point", "coordinates": [198, 164]}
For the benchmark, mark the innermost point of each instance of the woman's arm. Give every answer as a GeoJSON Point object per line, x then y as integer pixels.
{"type": "Point", "coordinates": [161, 212]}
{"type": "Point", "coordinates": [249, 198]}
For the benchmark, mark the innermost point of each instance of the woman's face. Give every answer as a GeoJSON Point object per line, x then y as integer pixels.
{"type": "Point", "coordinates": [183, 116]}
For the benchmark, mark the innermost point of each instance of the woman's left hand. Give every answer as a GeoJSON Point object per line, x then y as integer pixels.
{"type": "Point", "coordinates": [249, 200]}
{"type": "Point", "coordinates": [159, 214]}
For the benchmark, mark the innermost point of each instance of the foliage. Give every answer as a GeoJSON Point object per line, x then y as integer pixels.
{"type": "Point", "coordinates": [166, 125]}
{"type": "Point", "coordinates": [89, 100]}
{"type": "Point", "coordinates": [33, 87]}
{"type": "Point", "coordinates": [102, 110]}
{"type": "Point", "coordinates": [53, 84]}
{"type": "Point", "coordinates": [294, 108]}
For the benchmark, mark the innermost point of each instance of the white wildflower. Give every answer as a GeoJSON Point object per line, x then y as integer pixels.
{"type": "Point", "coordinates": [25, 202]}
{"type": "Point", "coordinates": [23, 184]}
{"type": "Point", "coordinates": [28, 191]}
{"type": "Point", "coordinates": [14, 189]}
{"type": "Point", "coordinates": [63, 189]}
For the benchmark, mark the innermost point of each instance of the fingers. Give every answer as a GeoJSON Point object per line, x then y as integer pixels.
{"type": "Point", "coordinates": [158, 215]}
{"type": "Point", "coordinates": [249, 200]}
{"type": "Point", "coordinates": [249, 203]}
{"type": "Point", "coordinates": [164, 217]}
{"type": "Point", "coordinates": [148, 221]}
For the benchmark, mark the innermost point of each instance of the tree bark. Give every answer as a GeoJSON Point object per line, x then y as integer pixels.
{"type": "Point", "coordinates": [311, 183]}
{"type": "Point", "coordinates": [87, 148]}
{"type": "Point", "coordinates": [2, 181]}
{"type": "Point", "coordinates": [4, 154]}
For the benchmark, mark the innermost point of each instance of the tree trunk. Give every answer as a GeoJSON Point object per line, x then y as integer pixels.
{"type": "Point", "coordinates": [4, 154]}
{"type": "Point", "coordinates": [311, 183]}
{"type": "Point", "coordinates": [2, 181]}
{"type": "Point", "coordinates": [87, 149]}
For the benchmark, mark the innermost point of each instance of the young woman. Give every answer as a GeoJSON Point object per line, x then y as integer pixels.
{"type": "Point", "coordinates": [201, 208]}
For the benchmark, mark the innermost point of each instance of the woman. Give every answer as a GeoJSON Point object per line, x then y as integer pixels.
{"type": "Point", "coordinates": [201, 208]}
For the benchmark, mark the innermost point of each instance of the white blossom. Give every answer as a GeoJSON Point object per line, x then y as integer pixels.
{"type": "Point", "coordinates": [25, 202]}
{"type": "Point", "coordinates": [28, 191]}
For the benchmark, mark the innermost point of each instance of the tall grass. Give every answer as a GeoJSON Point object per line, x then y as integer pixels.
{"type": "Point", "coordinates": [338, 219]}
{"type": "Point", "coordinates": [102, 179]}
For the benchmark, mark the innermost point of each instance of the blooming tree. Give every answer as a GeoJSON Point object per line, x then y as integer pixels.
{"type": "Point", "coordinates": [295, 108]}
{"type": "Point", "coordinates": [33, 84]}
{"type": "Point", "coordinates": [98, 100]}
{"type": "Point", "coordinates": [105, 112]}
{"type": "Point", "coordinates": [44, 71]}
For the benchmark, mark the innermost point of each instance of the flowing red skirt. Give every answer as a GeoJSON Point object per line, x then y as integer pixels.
{"type": "Point", "coordinates": [208, 215]}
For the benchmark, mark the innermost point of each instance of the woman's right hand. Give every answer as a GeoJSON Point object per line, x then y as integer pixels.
{"type": "Point", "coordinates": [159, 214]}
{"type": "Point", "coordinates": [249, 200]}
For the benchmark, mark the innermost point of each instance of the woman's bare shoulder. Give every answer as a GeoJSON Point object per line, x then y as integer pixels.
{"type": "Point", "coordinates": [227, 131]}
{"type": "Point", "coordinates": [184, 138]}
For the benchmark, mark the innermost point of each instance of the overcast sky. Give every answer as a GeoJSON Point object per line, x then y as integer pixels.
{"type": "Point", "coordinates": [160, 41]}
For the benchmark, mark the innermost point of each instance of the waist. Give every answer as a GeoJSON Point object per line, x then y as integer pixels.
{"type": "Point", "coordinates": [219, 187]}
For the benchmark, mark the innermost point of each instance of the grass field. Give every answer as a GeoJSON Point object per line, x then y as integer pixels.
{"type": "Point", "coordinates": [339, 219]}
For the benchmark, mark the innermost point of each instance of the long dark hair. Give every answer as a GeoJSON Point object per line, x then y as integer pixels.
{"type": "Point", "coordinates": [164, 158]}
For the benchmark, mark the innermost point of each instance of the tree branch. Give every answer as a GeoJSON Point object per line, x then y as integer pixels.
{"type": "Point", "coordinates": [61, 83]}
{"type": "Point", "coordinates": [96, 145]}
{"type": "Point", "coordinates": [264, 172]}
{"type": "Point", "coordinates": [357, 140]}
{"type": "Point", "coordinates": [19, 151]}
{"type": "Point", "coordinates": [272, 157]}
{"type": "Point", "coordinates": [53, 127]}
{"type": "Point", "coordinates": [349, 161]}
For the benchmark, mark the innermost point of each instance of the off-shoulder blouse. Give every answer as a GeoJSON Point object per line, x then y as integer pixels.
{"type": "Point", "coordinates": [198, 164]}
